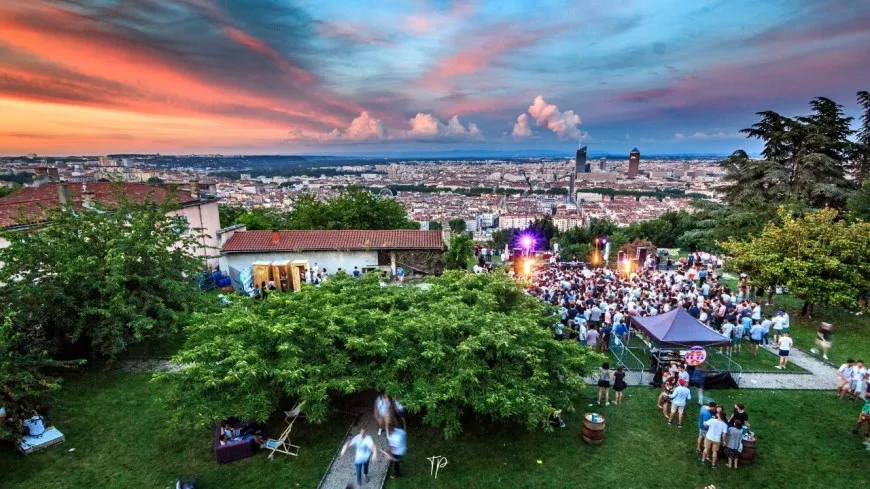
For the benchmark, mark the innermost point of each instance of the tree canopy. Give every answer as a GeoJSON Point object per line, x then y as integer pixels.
{"type": "Point", "coordinates": [466, 342]}
{"type": "Point", "coordinates": [822, 259]}
{"type": "Point", "coordinates": [806, 159]}
{"type": "Point", "coordinates": [101, 280]}
{"type": "Point", "coordinates": [460, 253]}
{"type": "Point", "coordinates": [352, 209]}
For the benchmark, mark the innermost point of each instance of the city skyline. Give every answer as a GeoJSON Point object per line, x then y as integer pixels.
{"type": "Point", "coordinates": [278, 77]}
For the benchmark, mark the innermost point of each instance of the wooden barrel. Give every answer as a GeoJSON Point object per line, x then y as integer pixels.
{"type": "Point", "coordinates": [748, 453]}
{"type": "Point", "coordinates": [593, 432]}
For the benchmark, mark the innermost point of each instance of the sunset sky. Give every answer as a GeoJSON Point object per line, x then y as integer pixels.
{"type": "Point", "coordinates": [361, 77]}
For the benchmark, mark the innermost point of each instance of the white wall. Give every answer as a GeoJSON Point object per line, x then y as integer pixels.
{"type": "Point", "coordinates": [331, 260]}
{"type": "Point", "coordinates": [204, 216]}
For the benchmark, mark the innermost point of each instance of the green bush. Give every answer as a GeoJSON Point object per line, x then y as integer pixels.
{"type": "Point", "coordinates": [464, 341]}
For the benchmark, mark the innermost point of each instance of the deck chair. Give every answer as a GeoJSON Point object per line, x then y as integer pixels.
{"type": "Point", "coordinates": [282, 444]}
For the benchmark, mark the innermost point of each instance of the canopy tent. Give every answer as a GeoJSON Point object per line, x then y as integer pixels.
{"type": "Point", "coordinates": [677, 328]}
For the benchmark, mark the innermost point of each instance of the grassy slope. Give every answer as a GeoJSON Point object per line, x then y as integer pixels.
{"type": "Point", "coordinates": [803, 442]}
{"type": "Point", "coordinates": [118, 427]}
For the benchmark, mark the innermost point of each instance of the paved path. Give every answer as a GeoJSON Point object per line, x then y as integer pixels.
{"type": "Point", "coordinates": [342, 471]}
{"type": "Point", "coordinates": [819, 376]}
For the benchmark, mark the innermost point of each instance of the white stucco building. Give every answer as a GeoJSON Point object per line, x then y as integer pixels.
{"type": "Point", "coordinates": [25, 210]}
{"type": "Point", "coordinates": [332, 250]}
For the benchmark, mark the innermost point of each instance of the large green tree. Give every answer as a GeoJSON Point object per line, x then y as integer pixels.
{"type": "Point", "coordinates": [467, 343]}
{"type": "Point", "coordinates": [861, 158]}
{"type": "Point", "coordinates": [351, 209]}
{"type": "Point", "coordinates": [805, 159]}
{"type": "Point", "coordinates": [822, 259]}
{"type": "Point", "coordinates": [93, 282]}
{"type": "Point", "coordinates": [460, 253]}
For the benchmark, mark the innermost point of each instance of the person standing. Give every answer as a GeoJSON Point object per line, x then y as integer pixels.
{"type": "Point", "coordinates": [604, 383]}
{"type": "Point", "coordinates": [844, 378]}
{"type": "Point", "coordinates": [706, 414]}
{"type": "Point", "coordinates": [739, 415]}
{"type": "Point", "coordinates": [756, 336]}
{"type": "Point", "coordinates": [864, 417]}
{"type": "Point", "coordinates": [382, 412]}
{"type": "Point", "coordinates": [859, 380]}
{"type": "Point", "coordinates": [732, 444]}
{"type": "Point", "coordinates": [716, 429]}
{"type": "Point", "coordinates": [823, 339]}
{"type": "Point", "coordinates": [398, 447]}
{"type": "Point", "coordinates": [678, 402]}
{"type": "Point", "coordinates": [364, 452]}
{"type": "Point", "coordinates": [785, 344]}
{"type": "Point", "coordinates": [619, 384]}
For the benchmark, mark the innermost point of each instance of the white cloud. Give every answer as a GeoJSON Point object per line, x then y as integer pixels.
{"type": "Point", "coordinates": [562, 123]}
{"type": "Point", "coordinates": [699, 136]}
{"type": "Point", "coordinates": [521, 128]}
{"type": "Point", "coordinates": [361, 128]}
{"type": "Point", "coordinates": [366, 127]}
{"type": "Point", "coordinates": [428, 126]}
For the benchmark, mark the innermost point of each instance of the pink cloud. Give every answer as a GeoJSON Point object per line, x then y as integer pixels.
{"type": "Point", "coordinates": [521, 128]}
{"type": "Point", "coordinates": [564, 124]}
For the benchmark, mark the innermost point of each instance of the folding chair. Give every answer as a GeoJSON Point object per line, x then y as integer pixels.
{"type": "Point", "coordinates": [282, 444]}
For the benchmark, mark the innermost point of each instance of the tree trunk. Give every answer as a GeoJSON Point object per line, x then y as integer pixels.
{"type": "Point", "coordinates": [807, 310]}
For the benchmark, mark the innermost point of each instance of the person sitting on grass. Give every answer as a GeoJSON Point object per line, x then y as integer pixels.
{"type": "Point", "coordinates": [678, 402]}
{"type": "Point", "coordinates": [716, 429]}
{"type": "Point", "coordinates": [732, 444]}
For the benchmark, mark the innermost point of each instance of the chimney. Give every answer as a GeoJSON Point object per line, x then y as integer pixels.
{"type": "Point", "coordinates": [194, 189]}
{"type": "Point", "coordinates": [64, 194]}
{"type": "Point", "coordinates": [87, 197]}
{"type": "Point", "coordinates": [276, 237]}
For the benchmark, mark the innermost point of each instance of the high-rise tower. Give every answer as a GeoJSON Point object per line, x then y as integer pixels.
{"type": "Point", "coordinates": [580, 164]}
{"type": "Point", "coordinates": [633, 163]}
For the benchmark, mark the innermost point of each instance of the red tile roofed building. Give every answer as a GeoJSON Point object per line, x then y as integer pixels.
{"type": "Point", "coordinates": [27, 208]}
{"type": "Point", "coordinates": [332, 250]}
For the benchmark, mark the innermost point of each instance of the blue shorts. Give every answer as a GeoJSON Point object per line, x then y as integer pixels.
{"type": "Point", "coordinates": [783, 353]}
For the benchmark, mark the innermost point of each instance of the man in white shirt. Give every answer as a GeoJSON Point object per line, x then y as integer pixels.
{"type": "Point", "coordinates": [716, 429]}
{"type": "Point", "coordinates": [785, 344]}
{"type": "Point", "coordinates": [844, 378]}
{"type": "Point", "coordinates": [679, 397]}
{"type": "Point", "coordinates": [364, 452]}
{"type": "Point", "coordinates": [859, 380]}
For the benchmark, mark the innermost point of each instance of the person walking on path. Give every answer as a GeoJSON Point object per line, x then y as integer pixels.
{"type": "Point", "coordinates": [382, 413]}
{"type": "Point", "coordinates": [604, 383]}
{"type": "Point", "coordinates": [619, 384]}
{"type": "Point", "coordinates": [364, 452]}
{"type": "Point", "coordinates": [785, 343]}
{"type": "Point", "coordinates": [679, 397]}
{"type": "Point", "coordinates": [705, 415]}
{"type": "Point", "coordinates": [398, 447]}
{"type": "Point", "coordinates": [824, 339]}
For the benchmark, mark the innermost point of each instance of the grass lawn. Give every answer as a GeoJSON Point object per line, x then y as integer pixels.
{"type": "Point", "coordinates": [118, 427]}
{"type": "Point", "coordinates": [851, 336]}
{"type": "Point", "coordinates": [804, 442]}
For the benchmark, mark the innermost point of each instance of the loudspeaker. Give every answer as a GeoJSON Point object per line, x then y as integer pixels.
{"type": "Point", "coordinates": [641, 254]}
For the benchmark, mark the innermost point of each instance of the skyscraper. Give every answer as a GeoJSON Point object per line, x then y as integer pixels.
{"type": "Point", "coordinates": [633, 163]}
{"type": "Point", "coordinates": [602, 164]}
{"type": "Point", "coordinates": [580, 164]}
